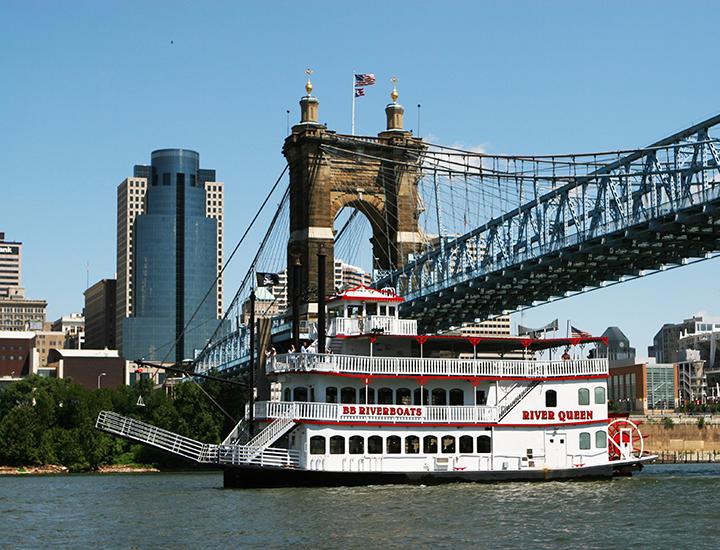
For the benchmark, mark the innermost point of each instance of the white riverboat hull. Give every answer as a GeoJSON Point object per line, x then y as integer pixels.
{"type": "Point", "coordinates": [240, 477]}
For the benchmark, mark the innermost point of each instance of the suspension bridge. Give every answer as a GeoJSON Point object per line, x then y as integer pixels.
{"type": "Point", "coordinates": [464, 236]}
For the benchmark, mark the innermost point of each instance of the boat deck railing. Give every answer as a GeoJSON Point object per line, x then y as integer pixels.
{"type": "Point", "coordinates": [396, 414]}
{"type": "Point", "coordinates": [431, 366]}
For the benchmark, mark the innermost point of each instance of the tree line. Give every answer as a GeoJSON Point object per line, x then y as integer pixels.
{"type": "Point", "coordinates": [52, 421]}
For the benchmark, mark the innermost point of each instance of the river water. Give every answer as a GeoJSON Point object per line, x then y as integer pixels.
{"type": "Point", "coordinates": [666, 506]}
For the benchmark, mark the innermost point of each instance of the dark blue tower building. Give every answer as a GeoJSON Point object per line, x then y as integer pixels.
{"type": "Point", "coordinates": [174, 257]}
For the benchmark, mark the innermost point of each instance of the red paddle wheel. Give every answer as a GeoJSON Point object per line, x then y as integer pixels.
{"type": "Point", "coordinates": [624, 440]}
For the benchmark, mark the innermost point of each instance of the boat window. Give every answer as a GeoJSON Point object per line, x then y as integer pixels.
{"type": "Point", "coordinates": [348, 395]}
{"type": "Point", "coordinates": [417, 394]}
{"type": "Point", "coordinates": [371, 309]}
{"type": "Point", "coordinates": [583, 396]}
{"type": "Point", "coordinates": [448, 444]}
{"type": "Point", "coordinates": [402, 397]}
{"type": "Point", "coordinates": [393, 445]}
{"type": "Point", "coordinates": [484, 444]}
{"type": "Point", "coordinates": [383, 309]}
{"type": "Point", "coordinates": [466, 444]}
{"type": "Point", "coordinates": [375, 445]}
{"type": "Point", "coordinates": [385, 396]}
{"type": "Point", "coordinates": [288, 395]}
{"type": "Point", "coordinates": [354, 311]}
{"type": "Point", "coordinates": [584, 440]}
{"type": "Point", "coordinates": [480, 397]}
{"type": "Point", "coordinates": [599, 395]}
{"type": "Point", "coordinates": [356, 445]}
{"type": "Point", "coordinates": [600, 439]}
{"type": "Point", "coordinates": [300, 394]}
{"type": "Point", "coordinates": [439, 397]}
{"type": "Point", "coordinates": [551, 398]}
{"type": "Point", "coordinates": [317, 445]}
{"type": "Point", "coordinates": [391, 310]}
{"type": "Point", "coordinates": [429, 444]}
{"type": "Point", "coordinates": [331, 394]}
{"type": "Point", "coordinates": [412, 445]}
{"type": "Point", "coordinates": [337, 445]}
{"type": "Point", "coordinates": [457, 397]}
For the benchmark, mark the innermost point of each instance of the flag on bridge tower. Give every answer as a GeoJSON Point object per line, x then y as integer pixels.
{"type": "Point", "coordinates": [364, 79]}
{"type": "Point", "coordinates": [359, 82]}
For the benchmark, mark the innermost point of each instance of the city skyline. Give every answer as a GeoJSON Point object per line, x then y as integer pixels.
{"type": "Point", "coordinates": [236, 115]}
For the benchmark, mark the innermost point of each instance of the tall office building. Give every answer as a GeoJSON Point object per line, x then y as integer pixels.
{"type": "Point", "coordinates": [10, 268]}
{"type": "Point", "coordinates": [169, 253]}
{"type": "Point", "coordinates": [100, 315]}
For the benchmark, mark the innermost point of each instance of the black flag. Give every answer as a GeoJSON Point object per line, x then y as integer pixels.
{"type": "Point", "coordinates": [267, 279]}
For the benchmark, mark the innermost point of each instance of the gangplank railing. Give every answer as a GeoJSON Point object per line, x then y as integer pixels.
{"type": "Point", "coordinates": [417, 366]}
{"type": "Point", "coordinates": [257, 453]}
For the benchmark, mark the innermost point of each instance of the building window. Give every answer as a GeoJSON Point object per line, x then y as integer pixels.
{"type": "Point", "coordinates": [348, 395]}
{"type": "Point", "coordinates": [337, 445]}
{"type": "Point", "coordinates": [583, 396]}
{"type": "Point", "coordinates": [448, 444]}
{"type": "Point", "coordinates": [600, 439]}
{"type": "Point", "coordinates": [375, 445]}
{"type": "Point", "coordinates": [331, 395]}
{"type": "Point", "coordinates": [457, 397]}
{"type": "Point", "coordinates": [551, 398]}
{"type": "Point", "coordinates": [300, 394]}
{"type": "Point", "coordinates": [317, 445]}
{"type": "Point", "coordinates": [430, 444]}
{"type": "Point", "coordinates": [439, 397]}
{"type": "Point", "coordinates": [166, 179]}
{"type": "Point", "coordinates": [385, 396]}
{"type": "Point", "coordinates": [412, 444]}
{"type": "Point", "coordinates": [584, 441]}
{"type": "Point", "coordinates": [466, 444]}
{"type": "Point", "coordinates": [356, 445]}
{"type": "Point", "coordinates": [600, 395]}
{"type": "Point", "coordinates": [417, 396]}
{"type": "Point", "coordinates": [394, 445]}
{"type": "Point", "coordinates": [484, 444]}
{"type": "Point", "coordinates": [402, 396]}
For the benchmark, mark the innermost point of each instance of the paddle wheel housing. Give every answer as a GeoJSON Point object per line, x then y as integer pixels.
{"type": "Point", "coordinates": [625, 441]}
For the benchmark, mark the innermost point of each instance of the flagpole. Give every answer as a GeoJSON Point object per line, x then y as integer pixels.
{"type": "Point", "coordinates": [352, 126]}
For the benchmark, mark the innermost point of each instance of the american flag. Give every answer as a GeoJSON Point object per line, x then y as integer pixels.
{"type": "Point", "coordinates": [577, 333]}
{"type": "Point", "coordinates": [364, 79]}
{"type": "Point", "coordinates": [359, 92]}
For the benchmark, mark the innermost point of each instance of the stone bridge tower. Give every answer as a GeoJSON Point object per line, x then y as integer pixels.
{"type": "Point", "coordinates": [377, 176]}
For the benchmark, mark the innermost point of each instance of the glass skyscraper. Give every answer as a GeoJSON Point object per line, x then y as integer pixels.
{"type": "Point", "coordinates": [174, 257]}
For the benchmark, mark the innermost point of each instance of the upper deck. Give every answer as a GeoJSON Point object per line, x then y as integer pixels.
{"type": "Point", "coordinates": [436, 367]}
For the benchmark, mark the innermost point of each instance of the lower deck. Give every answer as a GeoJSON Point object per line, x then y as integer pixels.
{"type": "Point", "coordinates": [446, 449]}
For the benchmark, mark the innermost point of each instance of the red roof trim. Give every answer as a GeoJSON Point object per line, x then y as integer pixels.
{"type": "Point", "coordinates": [450, 424]}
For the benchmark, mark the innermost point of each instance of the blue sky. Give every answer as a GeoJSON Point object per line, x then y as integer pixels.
{"type": "Point", "coordinates": [91, 88]}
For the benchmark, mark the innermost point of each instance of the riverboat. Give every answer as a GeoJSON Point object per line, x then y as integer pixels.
{"type": "Point", "coordinates": [385, 404]}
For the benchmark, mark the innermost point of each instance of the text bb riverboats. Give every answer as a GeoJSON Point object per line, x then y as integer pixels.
{"type": "Point", "coordinates": [386, 405]}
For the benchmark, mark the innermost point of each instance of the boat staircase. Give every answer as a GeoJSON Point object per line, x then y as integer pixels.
{"type": "Point", "coordinates": [505, 410]}
{"type": "Point", "coordinates": [240, 433]}
{"type": "Point", "coordinates": [231, 452]}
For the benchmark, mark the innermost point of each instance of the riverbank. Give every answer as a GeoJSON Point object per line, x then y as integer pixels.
{"type": "Point", "coordinates": [51, 469]}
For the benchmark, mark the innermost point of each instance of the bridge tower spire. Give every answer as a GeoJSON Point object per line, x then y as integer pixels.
{"type": "Point", "coordinates": [377, 176]}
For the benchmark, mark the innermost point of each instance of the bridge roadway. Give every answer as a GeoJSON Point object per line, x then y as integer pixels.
{"type": "Point", "coordinates": [651, 209]}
